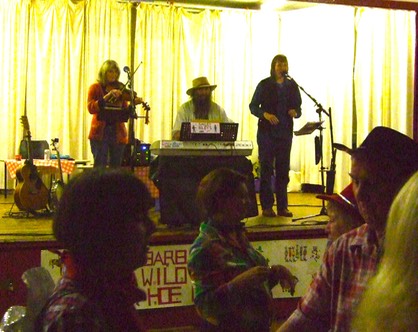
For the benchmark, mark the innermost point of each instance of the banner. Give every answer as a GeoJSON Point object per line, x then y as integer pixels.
{"type": "Point", "coordinates": [166, 282]}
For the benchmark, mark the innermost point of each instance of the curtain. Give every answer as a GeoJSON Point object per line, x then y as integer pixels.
{"type": "Point", "coordinates": [358, 63]}
{"type": "Point", "coordinates": [55, 54]}
{"type": "Point", "coordinates": [13, 56]}
{"type": "Point", "coordinates": [321, 62]}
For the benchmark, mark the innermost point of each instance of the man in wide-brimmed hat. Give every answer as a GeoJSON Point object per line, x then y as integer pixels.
{"type": "Point", "coordinates": [200, 106]}
{"type": "Point", "coordinates": [380, 166]}
{"type": "Point", "coordinates": [342, 212]}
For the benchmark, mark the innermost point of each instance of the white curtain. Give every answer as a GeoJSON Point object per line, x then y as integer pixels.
{"type": "Point", "coordinates": [358, 63]}
{"type": "Point", "coordinates": [321, 62]}
{"type": "Point", "coordinates": [13, 56]}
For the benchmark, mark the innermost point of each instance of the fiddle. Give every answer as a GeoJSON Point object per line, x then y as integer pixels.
{"type": "Point", "coordinates": [117, 94]}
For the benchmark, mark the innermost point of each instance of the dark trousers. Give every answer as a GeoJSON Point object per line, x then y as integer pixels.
{"type": "Point", "coordinates": [274, 159]}
{"type": "Point", "coordinates": [107, 151]}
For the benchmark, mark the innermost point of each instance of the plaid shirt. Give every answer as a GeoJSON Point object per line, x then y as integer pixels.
{"type": "Point", "coordinates": [214, 260]}
{"type": "Point", "coordinates": [69, 309]}
{"type": "Point", "coordinates": [336, 290]}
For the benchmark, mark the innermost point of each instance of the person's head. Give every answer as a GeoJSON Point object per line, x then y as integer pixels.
{"type": "Point", "coordinates": [379, 168]}
{"type": "Point", "coordinates": [341, 220]}
{"type": "Point", "coordinates": [223, 196]}
{"type": "Point", "coordinates": [201, 94]}
{"type": "Point", "coordinates": [102, 219]}
{"type": "Point", "coordinates": [342, 212]}
{"type": "Point", "coordinates": [279, 65]}
{"type": "Point", "coordinates": [109, 72]}
{"type": "Point", "coordinates": [390, 301]}
{"type": "Point", "coordinates": [400, 249]}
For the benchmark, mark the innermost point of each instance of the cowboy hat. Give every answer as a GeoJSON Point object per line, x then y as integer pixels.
{"type": "Point", "coordinates": [200, 82]}
{"type": "Point", "coordinates": [385, 143]}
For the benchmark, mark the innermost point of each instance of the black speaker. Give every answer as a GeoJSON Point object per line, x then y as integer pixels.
{"type": "Point", "coordinates": [37, 148]}
{"type": "Point", "coordinates": [178, 178]}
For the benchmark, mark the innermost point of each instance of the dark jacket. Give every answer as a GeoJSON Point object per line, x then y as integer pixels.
{"type": "Point", "coordinates": [276, 99]}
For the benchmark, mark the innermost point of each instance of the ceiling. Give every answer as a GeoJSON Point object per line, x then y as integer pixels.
{"type": "Point", "coordinates": [297, 4]}
{"type": "Point", "coordinates": [244, 4]}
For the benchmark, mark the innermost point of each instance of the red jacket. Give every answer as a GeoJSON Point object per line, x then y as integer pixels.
{"type": "Point", "coordinates": [94, 102]}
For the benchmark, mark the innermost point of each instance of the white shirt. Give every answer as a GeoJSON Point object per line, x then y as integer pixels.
{"type": "Point", "coordinates": [186, 114]}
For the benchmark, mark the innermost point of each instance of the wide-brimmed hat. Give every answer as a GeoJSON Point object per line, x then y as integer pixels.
{"type": "Point", "coordinates": [384, 143]}
{"type": "Point", "coordinates": [200, 82]}
{"type": "Point", "coordinates": [345, 198]}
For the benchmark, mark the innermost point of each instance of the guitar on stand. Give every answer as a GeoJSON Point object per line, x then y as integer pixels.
{"type": "Point", "coordinates": [30, 194]}
{"type": "Point", "coordinates": [58, 185]}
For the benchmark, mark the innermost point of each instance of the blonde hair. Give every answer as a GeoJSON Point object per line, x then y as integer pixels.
{"type": "Point", "coordinates": [348, 218]}
{"type": "Point", "coordinates": [390, 302]}
{"type": "Point", "coordinates": [106, 66]}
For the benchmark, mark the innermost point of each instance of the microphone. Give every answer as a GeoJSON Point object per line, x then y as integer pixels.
{"type": "Point", "coordinates": [285, 74]}
{"type": "Point", "coordinates": [126, 69]}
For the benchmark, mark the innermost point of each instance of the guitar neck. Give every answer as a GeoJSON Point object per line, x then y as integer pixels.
{"type": "Point", "coordinates": [59, 161]}
{"type": "Point", "coordinates": [29, 146]}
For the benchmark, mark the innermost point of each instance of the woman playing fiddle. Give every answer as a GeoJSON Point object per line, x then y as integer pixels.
{"type": "Point", "coordinates": [108, 135]}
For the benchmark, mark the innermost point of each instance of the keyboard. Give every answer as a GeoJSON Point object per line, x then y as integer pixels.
{"type": "Point", "coordinates": [201, 148]}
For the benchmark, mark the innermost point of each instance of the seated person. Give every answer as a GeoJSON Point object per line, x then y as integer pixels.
{"type": "Point", "coordinates": [390, 302]}
{"type": "Point", "coordinates": [200, 106]}
{"type": "Point", "coordinates": [380, 166]}
{"type": "Point", "coordinates": [102, 223]}
{"type": "Point", "coordinates": [232, 281]}
{"type": "Point", "coordinates": [342, 212]}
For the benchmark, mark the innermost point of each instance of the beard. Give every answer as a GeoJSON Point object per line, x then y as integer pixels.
{"type": "Point", "coordinates": [202, 106]}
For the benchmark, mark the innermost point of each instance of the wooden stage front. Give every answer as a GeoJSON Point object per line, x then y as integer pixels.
{"type": "Point", "coordinates": [26, 241]}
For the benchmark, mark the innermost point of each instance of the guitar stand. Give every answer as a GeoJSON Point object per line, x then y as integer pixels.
{"type": "Point", "coordinates": [26, 214]}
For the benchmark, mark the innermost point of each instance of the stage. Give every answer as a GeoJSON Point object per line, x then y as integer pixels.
{"type": "Point", "coordinates": [26, 241]}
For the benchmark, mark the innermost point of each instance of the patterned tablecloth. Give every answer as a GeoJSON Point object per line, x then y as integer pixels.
{"type": "Point", "coordinates": [142, 172]}
{"type": "Point", "coordinates": [45, 166]}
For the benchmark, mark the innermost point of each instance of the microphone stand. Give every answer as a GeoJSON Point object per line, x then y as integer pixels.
{"type": "Point", "coordinates": [331, 171]}
{"type": "Point", "coordinates": [132, 116]}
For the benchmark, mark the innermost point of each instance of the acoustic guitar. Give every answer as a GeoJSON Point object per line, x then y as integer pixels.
{"type": "Point", "coordinates": [57, 186]}
{"type": "Point", "coordinates": [30, 194]}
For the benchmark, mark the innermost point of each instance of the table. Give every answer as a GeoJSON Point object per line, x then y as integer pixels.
{"type": "Point", "coordinates": [142, 172]}
{"type": "Point", "coordinates": [44, 166]}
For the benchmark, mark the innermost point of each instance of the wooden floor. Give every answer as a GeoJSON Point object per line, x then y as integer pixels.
{"type": "Point", "coordinates": [16, 225]}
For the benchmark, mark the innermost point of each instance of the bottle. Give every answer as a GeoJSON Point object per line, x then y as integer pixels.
{"type": "Point", "coordinates": [47, 154]}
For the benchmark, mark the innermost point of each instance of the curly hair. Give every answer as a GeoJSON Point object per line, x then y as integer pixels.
{"type": "Point", "coordinates": [217, 186]}
{"type": "Point", "coordinates": [93, 207]}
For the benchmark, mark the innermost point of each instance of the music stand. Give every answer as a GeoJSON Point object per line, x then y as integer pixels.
{"type": "Point", "coordinates": [309, 128]}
